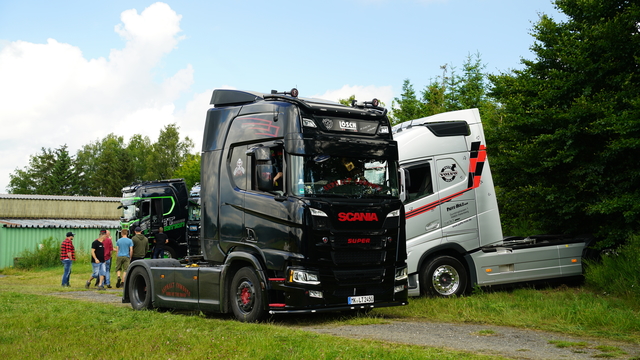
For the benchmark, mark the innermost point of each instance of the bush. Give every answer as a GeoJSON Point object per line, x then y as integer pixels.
{"type": "Point", "coordinates": [617, 271]}
{"type": "Point", "coordinates": [43, 256]}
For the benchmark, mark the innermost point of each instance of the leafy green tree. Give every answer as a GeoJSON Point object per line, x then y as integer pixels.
{"type": "Point", "coordinates": [347, 102]}
{"type": "Point", "coordinates": [564, 149]}
{"type": "Point", "coordinates": [139, 148]}
{"type": "Point", "coordinates": [114, 169]}
{"type": "Point", "coordinates": [167, 154]}
{"type": "Point", "coordinates": [189, 170]}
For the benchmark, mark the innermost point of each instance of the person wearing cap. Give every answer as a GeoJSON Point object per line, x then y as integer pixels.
{"type": "Point", "coordinates": [140, 245]}
{"type": "Point", "coordinates": [67, 256]}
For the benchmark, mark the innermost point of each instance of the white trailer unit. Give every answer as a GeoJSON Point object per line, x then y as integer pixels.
{"type": "Point", "coordinates": [454, 236]}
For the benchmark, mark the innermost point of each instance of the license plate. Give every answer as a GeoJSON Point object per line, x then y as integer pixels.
{"type": "Point", "coordinates": [355, 300]}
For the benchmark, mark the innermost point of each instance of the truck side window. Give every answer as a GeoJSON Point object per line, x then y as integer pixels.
{"type": "Point", "coordinates": [238, 165]}
{"type": "Point", "coordinates": [145, 209]}
{"type": "Point", "coordinates": [268, 168]}
{"type": "Point", "coordinates": [276, 161]}
{"type": "Point", "coordinates": [419, 183]}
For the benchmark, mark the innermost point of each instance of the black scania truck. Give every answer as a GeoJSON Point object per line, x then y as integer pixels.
{"type": "Point", "coordinates": [300, 212]}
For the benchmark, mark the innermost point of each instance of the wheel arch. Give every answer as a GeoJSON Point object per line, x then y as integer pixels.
{"type": "Point", "coordinates": [234, 262]}
{"type": "Point", "coordinates": [453, 250]}
{"type": "Point", "coordinates": [147, 264]}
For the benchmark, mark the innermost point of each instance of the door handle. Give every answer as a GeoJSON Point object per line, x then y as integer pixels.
{"type": "Point", "coordinates": [251, 235]}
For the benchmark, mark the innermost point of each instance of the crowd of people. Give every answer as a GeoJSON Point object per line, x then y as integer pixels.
{"type": "Point", "coordinates": [126, 249]}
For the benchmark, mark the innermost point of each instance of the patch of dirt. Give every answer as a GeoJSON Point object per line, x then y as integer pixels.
{"type": "Point", "coordinates": [480, 339]}
{"type": "Point", "coordinates": [107, 296]}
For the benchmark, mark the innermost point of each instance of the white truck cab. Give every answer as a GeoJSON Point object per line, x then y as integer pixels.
{"type": "Point", "coordinates": [454, 235]}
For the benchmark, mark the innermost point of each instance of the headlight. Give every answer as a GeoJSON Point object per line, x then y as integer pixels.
{"type": "Point", "coordinates": [303, 277]}
{"type": "Point", "coordinates": [401, 274]}
{"type": "Point", "coordinates": [316, 212]}
{"type": "Point", "coordinates": [394, 213]}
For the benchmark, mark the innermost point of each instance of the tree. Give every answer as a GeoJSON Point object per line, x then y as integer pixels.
{"type": "Point", "coordinates": [114, 169]}
{"type": "Point", "coordinates": [409, 107]}
{"type": "Point", "coordinates": [347, 102]}
{"type": "Point", "coordinates": [51, 172]}
{"type": "Point", "coordinates": [448, 93]}
{"type": "Point", "coordinates": [564, 150]}
{"type": "Point", "coordinates": [189, 170]}
{"type": "Point", "coordinates": [139, 148]}
{"type": "Point", "coordinates": [167, 154]}
{"type": "Point", "coordinates": [62, 180]}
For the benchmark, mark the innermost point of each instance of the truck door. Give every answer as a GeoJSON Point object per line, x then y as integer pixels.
{"type": "Point", "coordinates": [233, 180]}
{"type": "Point", "coordinates": [157, 212]}
{"type": "Point", "coordinates": [268, 223]}
{"type": "Point", "coordinates": [458, 209]}
{"type": "Point", "coordinates": [424, 226]}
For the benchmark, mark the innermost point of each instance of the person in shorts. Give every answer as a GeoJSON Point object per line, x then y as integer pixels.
{"type": "Point", "coordinates": [97, 261]}
{"type": "Point", "coordinates": [124, 249]}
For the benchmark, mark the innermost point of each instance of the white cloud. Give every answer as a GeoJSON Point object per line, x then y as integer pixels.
{"type": "Point", "coordinates": [51, 95]}
{"type": "Point", "coordinates": [362, 93]}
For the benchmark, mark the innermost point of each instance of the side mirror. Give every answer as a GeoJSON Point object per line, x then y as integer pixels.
{"type": "Point", "coordinates": [403, 194]}
{"type": "Point", "coordinates": [260, 153]}
{"type": "Point", "coordinates": [265, 177]}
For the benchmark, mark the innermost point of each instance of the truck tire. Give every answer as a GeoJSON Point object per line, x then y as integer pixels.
{"type": "Point", "coordinates": [139, 286]}
{"type": "Point", "coordinates": [168, 253]}
{"type": "Point", "coordinates": [444, 276]}
{"type": "Point", "coordinates": [246, 296]}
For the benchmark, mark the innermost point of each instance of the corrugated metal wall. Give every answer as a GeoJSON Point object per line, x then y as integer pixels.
{"type": "Point", "coordinates": [13, 241]}
{"type": "Point", "coordinates": [20, 208]}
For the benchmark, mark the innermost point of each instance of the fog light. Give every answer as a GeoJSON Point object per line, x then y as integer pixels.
{"type": "Point", "coordinates": [398, 288]}
{"type": "Point", "coordinates": [315, 294]}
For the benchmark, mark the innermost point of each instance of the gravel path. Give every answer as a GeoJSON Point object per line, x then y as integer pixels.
{"type": "Point", "coordinates": [481, 339]}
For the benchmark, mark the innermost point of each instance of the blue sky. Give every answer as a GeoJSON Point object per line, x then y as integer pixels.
{"type": "Point", "coordinates": [72, 72]}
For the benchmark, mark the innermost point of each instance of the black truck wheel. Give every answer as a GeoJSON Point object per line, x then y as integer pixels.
{"type": "Point", "coordinates": [168, 253]}
{"type": "Point", "coordinates": [444, 276]}
{"type": "Point", "coordinates": [139, 286]}
{"type": "Point", "coordinates": [246, 296]}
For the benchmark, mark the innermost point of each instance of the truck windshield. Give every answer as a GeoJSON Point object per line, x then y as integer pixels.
{"type": "Point", "coordinates": [324, 175]}
{"type": "Point", "coordinates": [128, 206]}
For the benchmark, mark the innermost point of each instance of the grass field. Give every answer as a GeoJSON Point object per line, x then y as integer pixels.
{"type": "Point", "coordinates": [36, 325]}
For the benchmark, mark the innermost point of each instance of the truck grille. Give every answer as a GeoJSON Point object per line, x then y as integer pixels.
{"type": "Point", "coordinates": [359, 275]}
{"type": "Point", "coordinates": [358, 257]}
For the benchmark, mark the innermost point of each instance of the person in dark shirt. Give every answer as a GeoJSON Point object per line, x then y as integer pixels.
{"type": "Point", "coordinates": [97, 261]}
{"type": "Point", "coordinates": [161, 239]}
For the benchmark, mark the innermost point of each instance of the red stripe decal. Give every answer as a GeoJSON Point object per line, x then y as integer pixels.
{"type": "Point", "coordinates": [476, 158]}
